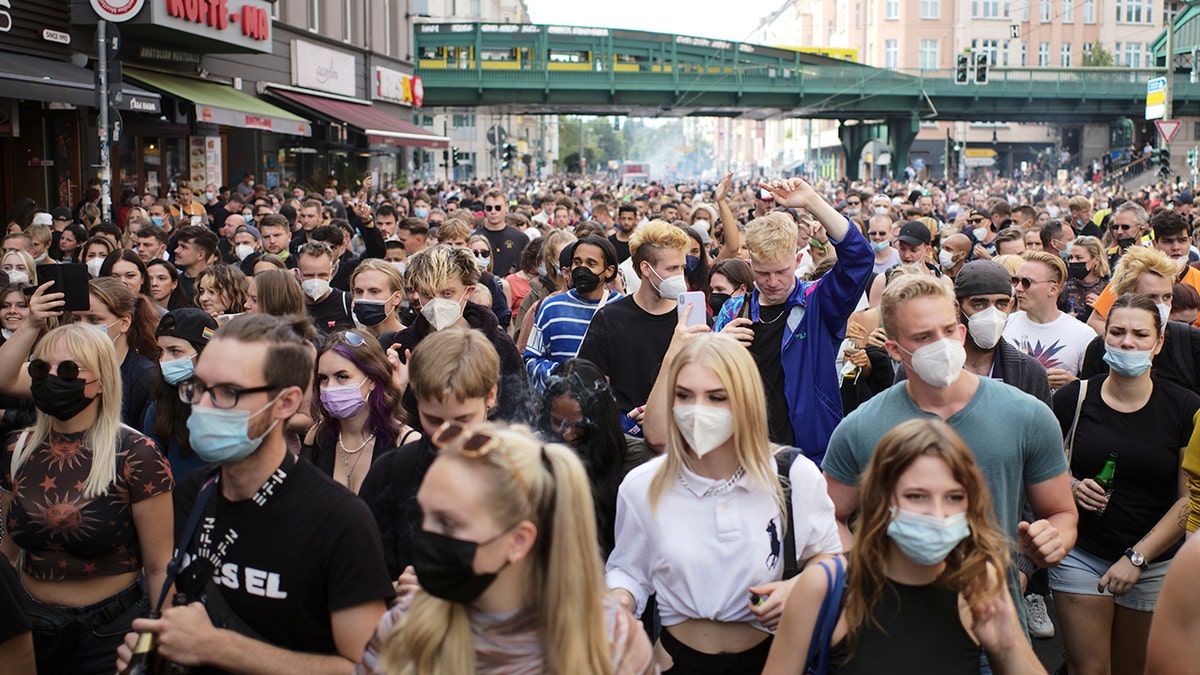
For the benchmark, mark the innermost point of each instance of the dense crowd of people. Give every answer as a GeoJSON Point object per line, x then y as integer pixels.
{"type": "Point", "coordinates": [572, 426]}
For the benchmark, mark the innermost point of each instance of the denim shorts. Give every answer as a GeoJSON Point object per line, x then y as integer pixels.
{"type": "Point", "coordinates": [1080, 573]}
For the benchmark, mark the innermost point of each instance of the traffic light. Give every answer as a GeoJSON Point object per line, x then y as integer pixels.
{"type": "Point", "coordinates": [510, 153]}
{"type": "Point", "coordinates": [981, 68]}
{"type": "Point", "coordinates": [1192, 156]}
{"type": "Point", "coordinates": [458, 156]}
{"type": "Point", "coordinates": [1164, 161]}
{"type": "Point", "coordinates": [962, 69]}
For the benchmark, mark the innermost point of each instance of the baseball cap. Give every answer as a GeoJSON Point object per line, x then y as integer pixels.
{"type": "Point", "coordinates": [42, 218]}
{"type": "Point", "coordinates": [189, 323]}
{"type": "Point", "coordinates": [982, 277]}
{"type": "Point", "coordinates": [1182, 198]}
{"type": "Point", "coordinates": [61, 213]}
{"type": "Point", "coordinates": [914, 233]}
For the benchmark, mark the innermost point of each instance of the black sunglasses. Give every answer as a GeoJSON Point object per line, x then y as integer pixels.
{"type": "Point", "coordinates": [40, 370]}
{"type": "Point", "coordinates": [494, 207]}
{"type": "Point", "coordinates": [1026, 282]}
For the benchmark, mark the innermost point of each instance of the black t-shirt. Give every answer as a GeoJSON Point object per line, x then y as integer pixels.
{"type": "Point", "coordinates": [332, 313]}
{"type": "Point", "coordinates": [1147, 443]}
{"type": "Point", "coordinates": [390, 490]}
{"type": "Point", "coordinates": [628, 344]}
{"type": "Point", "coordinates": [507, 245]}
{"type": "Point", "coordinates": [622, 248]}
{"type": "Point", "coordinates": [311, 550]}
{"type": "Point", "coordinates": [768, 341]}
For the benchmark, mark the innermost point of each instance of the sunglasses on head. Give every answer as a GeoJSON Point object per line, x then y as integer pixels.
{"type": "Point", "coordinates": [475, 445]}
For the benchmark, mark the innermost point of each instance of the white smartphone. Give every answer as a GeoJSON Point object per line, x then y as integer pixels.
{"type": "Point", "coordinates": [698, 317]}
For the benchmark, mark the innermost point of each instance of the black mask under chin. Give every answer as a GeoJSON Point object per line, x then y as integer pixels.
{"type": "Point", "coordinates": [59, 398]}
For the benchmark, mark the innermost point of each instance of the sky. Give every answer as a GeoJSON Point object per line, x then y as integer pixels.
{"type": "Point", "coordinates": [725, 20]}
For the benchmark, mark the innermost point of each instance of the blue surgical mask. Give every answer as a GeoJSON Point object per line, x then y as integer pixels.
{"type": "Point", "coordinates": [1128, 363]}
{"type": "Point", "coordinates": [927, 540]}
{"type": "Point", "coordinates": [421, 213]}
{"type": "Point", "coordinates": [542, 269]}
{"type": "Point", "coordinates": [156, 220]}
{"type": "Point", "coordinates": [880, 246]}
{"type": "Point", "coordinates": [223, 435]}
{"type": "Point", "coordinates": [178, 370]}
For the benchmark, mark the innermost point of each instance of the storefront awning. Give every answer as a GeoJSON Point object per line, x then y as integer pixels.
{"type": "Point", "coordinates": [222, 104]}
{"type": "Point", "coordinates": [38, 79]}
{"type": "Point", "coordinates": [379, 126]}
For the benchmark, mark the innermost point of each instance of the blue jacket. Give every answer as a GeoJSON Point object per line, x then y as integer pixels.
{"type": "Point", "coordinates": [817, 315]}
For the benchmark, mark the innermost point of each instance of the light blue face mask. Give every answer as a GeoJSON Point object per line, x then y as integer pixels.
{"type": "Point", "coordinates": [223, 435]}
{"type": "Point", "coordinates": [927, 540]}
{"type": "Point", "coordinates": [542, 269]}
{"type": "Point", "coordinates": [156, 220]}
{"type": "Point", "coordinates": [421, 213]}
{"type": "Point", "coordinates": [178, 370]}
{"type": "Point", "coordinates": [880, 246]}
{"type": "Point", "coordinates": [1128, 363]}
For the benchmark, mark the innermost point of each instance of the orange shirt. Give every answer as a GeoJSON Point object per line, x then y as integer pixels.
{"type": "Point", "coordinates": [1107, 297]}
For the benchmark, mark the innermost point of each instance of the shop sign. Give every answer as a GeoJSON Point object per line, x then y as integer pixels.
{"type": "Point", "coordinates": [323, 69]}
{"type": "Point", "coordinates": [196, 25]}
{"type": "Point", "coordinates": [38, 27]}
{"type": "Point", "coordinates": [220, 19]}
{"type": "Point", "coordinates": [397, 87]}
{"type": "Point", "coordinates": [117, 11]}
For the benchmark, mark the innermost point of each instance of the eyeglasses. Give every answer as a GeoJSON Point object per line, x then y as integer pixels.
{"type": "Point", "coordinates": [494, 207]}
{"type": "Point", "coordinates": [1117, 226]}
{"type": "Point", "coordinates": [877, 234]}
{"type": "Point", "coordinates": [67, 370]}
{"type": "Point", "coordinates": [223, 396]}
{"type": "Point", "coordinates": [476, 445]}
{"type": "Point", "coordinates": [853, 203]}
{"type": "Point", "coordinates": [1026, 282]}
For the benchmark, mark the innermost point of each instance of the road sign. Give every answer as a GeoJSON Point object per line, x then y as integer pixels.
{"type": "Point", "coordinates": [1156, 98]}
{"type": "Point", "coordinates": [496, 134]}
{"type": "Point", "coordinates": [1167, 129]}
{"type": "Point", "coordinates": [1014, 31]}
{"type": "Point", "coordinates": [979, 152]}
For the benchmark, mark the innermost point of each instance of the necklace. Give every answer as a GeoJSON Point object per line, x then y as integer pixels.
{"type": "Point", "coordinates": [781, 314]}
{"type": "Point", "coordinates": [720, 488]}
{"type": "Point", "coordinates": [346, 458]}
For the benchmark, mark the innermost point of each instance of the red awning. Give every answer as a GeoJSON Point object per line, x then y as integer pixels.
{"type": "Point", "coordinates": [379, 126]}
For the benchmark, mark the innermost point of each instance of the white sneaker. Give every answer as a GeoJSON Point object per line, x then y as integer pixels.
{"type": "Point", "coordinates": [1039, 622]}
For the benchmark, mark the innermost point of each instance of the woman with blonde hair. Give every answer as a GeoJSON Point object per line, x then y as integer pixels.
{"type": "Point", "coordinates": [378, 290]}
{"type": "Point", "coordinates": [86, 499]}
{"type": "Point", "coordinates": [507, 566]}
{"type": "Point", "coordinates": [703, 527]}
{"type": "Point", "coordinates": [1087, 274]}
{"type": "Point", "coordinates": [924, 588]}
{"type": "Point", "coordinates": [19, 267]}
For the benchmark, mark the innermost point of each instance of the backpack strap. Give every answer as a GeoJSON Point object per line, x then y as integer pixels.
{"type": "Point", "coordinates": [784, 459]}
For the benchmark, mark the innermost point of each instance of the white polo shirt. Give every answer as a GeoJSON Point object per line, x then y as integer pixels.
{"type": "Point", "coordinates": [702, 554]}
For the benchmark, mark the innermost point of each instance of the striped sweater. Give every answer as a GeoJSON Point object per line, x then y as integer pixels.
{"type": "Point", "coordinates": [557, 333]}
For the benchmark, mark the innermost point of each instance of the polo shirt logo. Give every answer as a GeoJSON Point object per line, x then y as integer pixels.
{"type": "Point", "coordinates": [776, 545]}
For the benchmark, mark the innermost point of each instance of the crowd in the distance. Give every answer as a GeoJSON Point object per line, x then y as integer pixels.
{"type": "Point", "coordinates": [574, 426]}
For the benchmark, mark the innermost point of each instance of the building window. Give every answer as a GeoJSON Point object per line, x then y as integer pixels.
{"type": "Point", "coordinates": [929, 54]}
{"type": "Point", "coordinates": [1089, 11]}
{"type": "Point", "coordinates": [1024, 10]}
{"type": "Point", "coordinates": [892, 7]}
{"type": "Point", "coordinates": [420, 7]}
{"type": "Point", "coordinates": [1133, 54]}
{"type": "Point", "coordinates": [929, 9]}
{"type": "Point", "coordinates": [387, 28]}
{"type": "Point", "coordinates": [1004, 54]}
{"type": "Point", "coordinates": [1024, 54]}
{"type": "Point", "coordinates": [891, 54]}
{"type": "Point", "coordinates": [1087, 52]}
{"type": "Point", "coordinates": [348, 22]}
{"type": "Point", "coordinates": [1065, 59]}
{"type": "Point", "coordinates": [1044, 11]}
{"type": "Point", "coordinates": [989, 47]}
{"type": "Point", "coordinates": [1068, 11]}
{"type": "Point", "coordinates": [1134, 11]}
{"type": "Point", "coordinates": [314, 15]}
{"type": "Point", "coordinates": [474, 5]}
{"type": "Point", "coordinates": [986, 9]}
{"type": "Point", "coordinates": [1043, 54]}
{"type": "Point", "coordinates": [462, 121]}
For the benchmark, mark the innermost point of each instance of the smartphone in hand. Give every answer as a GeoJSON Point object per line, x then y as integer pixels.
{"type": "Point", "coordinates": [697, 317]}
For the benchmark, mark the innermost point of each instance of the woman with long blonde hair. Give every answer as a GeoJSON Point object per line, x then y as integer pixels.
{"type": "Point", "coordinates": [924, 589]}
{"type": "Point", "coordinates": [703, 527]}
{"type": "Point", "coordinates": [510, 580]}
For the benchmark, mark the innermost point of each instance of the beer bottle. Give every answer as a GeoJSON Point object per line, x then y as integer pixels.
{"type": "Point", "coordinates": [144, 653]}
{"type": "Point", "coordinates": [170, 667]}
{"type": "Point", "coordinates": [1105, 478]}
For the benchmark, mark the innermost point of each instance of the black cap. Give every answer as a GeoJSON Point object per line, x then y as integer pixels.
{"type": "Point", "coordinates": [914, 233]}
{"type": "Point", "coordinates": [1182, 198]}
{"type": "Point", "coordinates": [982, 277]}
{"type": "Point", "coordinates": [61, 213]}
{"type": "Point", "coordinates": [191, 324]}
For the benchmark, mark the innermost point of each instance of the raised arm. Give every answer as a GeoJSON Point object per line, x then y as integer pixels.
{"type": "Point", "coordinates": [14, 353]}
{"type": "Point", "coordinates": [733, 236]}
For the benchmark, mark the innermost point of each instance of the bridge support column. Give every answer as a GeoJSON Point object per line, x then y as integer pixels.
{"type": "Point", "coordinates": [902, 131]}
{"type": "Point", "coordinates": [853, 137]}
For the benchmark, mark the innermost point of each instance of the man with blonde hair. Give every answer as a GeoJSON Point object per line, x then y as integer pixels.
{"type": "Point", "coordinates": [1013, 436]}
{"type": "Point", "coordinates": [1057, 339]}
{"type": "Point", "coordinates": [627, 339]}
{"type": "Point", "coordinates": [1081, 217]}
{"type": "Point", "coordinates": [794, 328]}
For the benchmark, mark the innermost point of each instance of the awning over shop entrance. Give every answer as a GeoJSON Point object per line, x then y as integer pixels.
{"type": "Point", "coordinates": [378, 126]}
{"type": "Point", "coordinates": [38, 79]}
{"type": "Point", "coordinates": [222, 104]}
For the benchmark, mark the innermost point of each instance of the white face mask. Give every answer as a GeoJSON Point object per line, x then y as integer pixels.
{"type": "Point", "coordinates": [986, 327]}
{"type": "Point", "coordinates": [401, 267]}
{"type": "Point", "coordinates": [980, 233]}
{"type": "Point", "coordinates": [243, 250]}
{"type": "Point", "coordinates": [938, 364]}
{"type": "Point", "coordinates": [18, 277]}
{"type": "Point", "coordinates": [946, 258]}
{"type": "Point", "coordinates": [94, 266]}
{"type": "Point", "coordinates": [1164, 313]}
{"type": "Point", "coordinates": [671, 287]}
{"type": "Point", "coordinates": [442, 313]}
{"type": "Point", "coordinates": [1180, 263]}
{"type": "Point", "coordinates": [704, 427]}
{"type": "Point", "coordinates": [315, 288]}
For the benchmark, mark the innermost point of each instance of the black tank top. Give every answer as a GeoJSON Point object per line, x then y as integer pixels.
{"type": "Point", "coordinates": [922, 633]}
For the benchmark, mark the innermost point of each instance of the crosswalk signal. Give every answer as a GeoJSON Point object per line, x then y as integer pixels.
{"type": "Point", "coordinates": [510, 153]}
{"type": "Point", "coordinates": [962, 69]}
{"type": "Point", "coordinates": [1192, 156]}
{"type": "Point", "coordinates": [981, 68]}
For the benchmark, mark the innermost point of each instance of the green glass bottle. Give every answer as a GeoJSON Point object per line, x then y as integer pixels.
{"type": "Point", "coordinates": [1105, 478]}
{"type": "Point", "coordinates": [143, 660]}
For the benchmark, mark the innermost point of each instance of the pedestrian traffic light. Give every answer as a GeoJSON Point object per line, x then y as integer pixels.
{"type": "Point", "coordinates": [962, 69]}
{"type": "Point", "coordinates": [981, 68]}
{"type": "Point", "coordinates": [1192, 156]}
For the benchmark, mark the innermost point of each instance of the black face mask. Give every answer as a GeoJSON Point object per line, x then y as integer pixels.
{"type": "Point", "coordinates": [59, 398]}
{"type": "Point", "coordinates": [716, 301]}
{"type": "Point", "coordinates": [1077, 270]}
{"type": "Point", "coordinates": [584, 280]}
{"type": "Point", "coordinates": [369, 313]}
{"type": "Point", "coordinates": [444, 567]}
{"type": "Point", "coordinates": [1125, 242]}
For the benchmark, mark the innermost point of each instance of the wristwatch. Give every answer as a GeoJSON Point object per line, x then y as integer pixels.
{"type": "Point", "coordinates": [1137, 559]}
